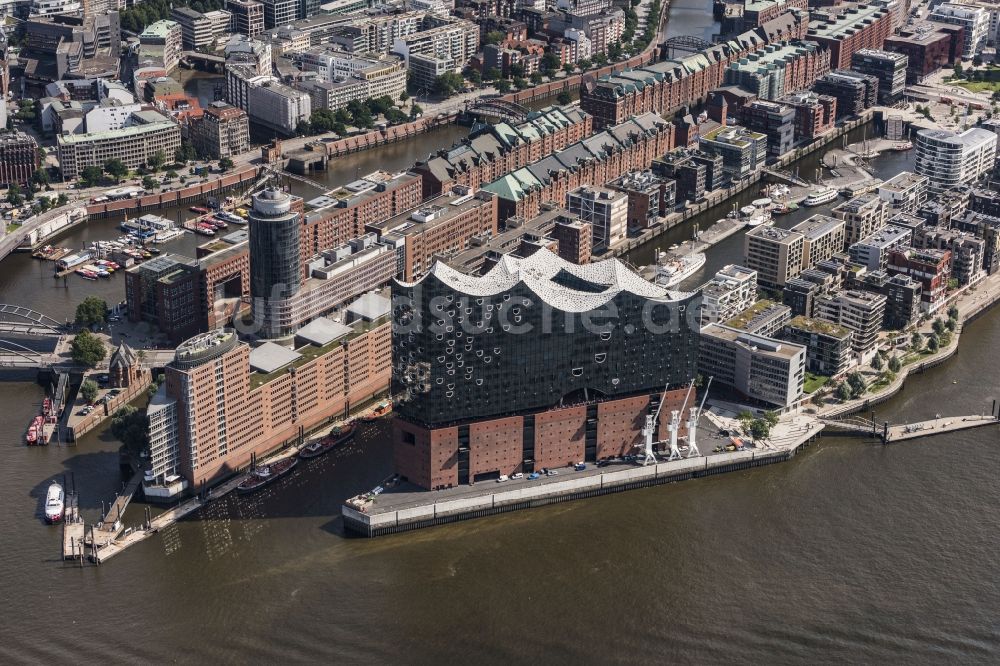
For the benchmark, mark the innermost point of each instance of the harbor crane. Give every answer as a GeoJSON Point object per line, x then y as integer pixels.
{"type": "Point", "coordinates": [693, 423]}
{"type": "Point", "coordinates": [675, 426]}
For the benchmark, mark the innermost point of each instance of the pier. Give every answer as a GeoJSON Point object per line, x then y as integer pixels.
{"type": "Point", "coordinates": [890, 434]}
{"type": "Point", "coordinates": [73, 528]}
{"type": "Point", "coordinates": [111, 526]}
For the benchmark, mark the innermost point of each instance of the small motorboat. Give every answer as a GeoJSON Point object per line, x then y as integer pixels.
{"type": "Point", "coordinates": [54, 504]}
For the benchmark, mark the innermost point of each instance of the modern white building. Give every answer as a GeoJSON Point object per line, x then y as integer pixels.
{"type": "Point", "coordinates": [975, 20]}
{"type": "Point", "coordinates": [730, 292]}
{"type": "Point", "coordinates": [50, 7]}
{"type": "Point", "coordinates": [949, 159]}
{"type": "Point", "coordinates": [278, 107]}
{"type": "Point", "coordinates": [872, 252]}
{"type": "Point", "coordinates": [604, 209]}
{"type": "Point", "coordinates": [760, 368]}
{"type": "Point", "coordinates": [904, 192]}
{"type": "Point", "coordinates": [163, 479]}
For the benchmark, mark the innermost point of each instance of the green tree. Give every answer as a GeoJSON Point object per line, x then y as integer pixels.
{"type": "Point", "coordinates": [116, 169]}
{"type": "Point", "coordinates": [14, 197]}
{"type": "Point", "coordinates": [91, 176]}
{"type": "Point", "coordinates": [916, 341]}
{"type": "Point", "coordinates": [951, 324]}
{"type": "Point", "coordinates": [933, 344]}
{"type": "Point", "coordinates": [569, 68]}
{"type": "Point", "coordinates": [857, 384]}
{"type": "Point", "coordinates": [584, 64]}
{"type": "Point", "coordinates": [62, 199]}
{"type": "Point", "coordinates": [843, 392]}
{"type": "Point", "coordinates": [895, 365]}
{"type": "Point", "coordinates": [550, 62]}
{"type": "Point", "coordinates": [304, 128]}
{"type": "Point", "coordinates": [600, 60]}
{"type": "Point", "coordinates": [952, 311]}
{"type": "Point", "coordinates": [87, 349]}
{"type": "Point", "coordinates": [185, 153]}
{"type": "Point", "coordinates": [226, 164]}
{"type": "Point", "coordinates": [91, 311]}
{"type": "Point", "coordinates": [536, 78]}
{"type": "Point", "coordinates": [503, 86]}
{"type": "Point", "coordinates": [475, 77]}
{"type": "Point", "coordinates": [938, 326]}
{"type": "Point", "coordinates": [958, 70]}
{"type": "Point", "coordinates": [494, 37]}
{"type": "Point", "coordinates": [564, 98]}
{"type": "Point", "coordinates": [760, 429]}
{"type": "Point", "coordinates": [403, 96]}
{"type": "Point", "coordinates": [129, 426]}
{"type": "Point", "coordinates": [88, 390]}
{"type": "Point", "coordinates": [520, 83]}
{"type": "Point", "coordinates": [41, 176]}
{"type": "Point", "coordinates": [772, 418]}
{"type": "Point", "coordinates": [157, 161]}
{"type": "Point", "coordinates": [149, 183]}
{"type": "Point", "coordinates": [448, 84]}
{"type": "Point", "coordinates": [745, 418]}
{"type": "Point", "coordinates": [877, 362]}
{"type": "Point", "coordinates": [415, 111]}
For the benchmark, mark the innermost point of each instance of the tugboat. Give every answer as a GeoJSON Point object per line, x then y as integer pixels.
{"type": "Point", "coordinates": [54, 504]}
{"type": "Point", "coordinates": [265, 474]}
{"type": "Point", "coordinates": [382, 409]}
{"type": "Point", "coordinates": [337, 436]}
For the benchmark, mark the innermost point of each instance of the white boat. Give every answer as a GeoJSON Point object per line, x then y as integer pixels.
{"type": "Point", "coordinates": [673, 269]}
{"type": "Point", "coordinates": [760, 212]}
{"type": "Point", "coordinates": [820, 196]}
{"type": "Point", "coordinates": [54, 504]}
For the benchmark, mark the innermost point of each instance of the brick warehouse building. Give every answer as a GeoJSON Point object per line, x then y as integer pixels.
{"type": "Point", "coordinates": [666, 86]}
{"type": "Point", "coordinates": [519, 369]}
{"type": "Point", "coordinates": [847, 32]}
{"type": "Point", "coordinates": [602, 158]}
{"type": "Point", "coordinates": [488, 153]}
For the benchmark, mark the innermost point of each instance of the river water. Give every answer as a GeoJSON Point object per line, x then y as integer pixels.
{"type": "Point", "coordinates": [851, 552]}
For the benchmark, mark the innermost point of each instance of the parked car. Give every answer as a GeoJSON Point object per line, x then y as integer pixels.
{"type": "Point", "coordinates": [551, 472]}
{"type": "Point", "coordinates": [517, 475]}
{"type": "Point", "coordinates": [503, 477]}
{"type": "Point", "coordinates": [533, 476]}
{"type": "Point", "coordinates": [580, 467]}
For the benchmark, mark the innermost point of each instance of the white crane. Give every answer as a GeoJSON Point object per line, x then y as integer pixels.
{"type": "Point", "coordinates": [693, 423]}
{"type": "Point", "coordinates": [650, 428]}
{"type": "Point", "coordinates": [675, 426]}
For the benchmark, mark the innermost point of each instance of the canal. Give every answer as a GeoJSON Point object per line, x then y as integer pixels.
{"type": "Point", "coordinates": [851, 552]}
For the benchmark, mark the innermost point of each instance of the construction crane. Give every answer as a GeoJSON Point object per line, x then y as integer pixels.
{"type": "Point", "coordinates": [693, 423]}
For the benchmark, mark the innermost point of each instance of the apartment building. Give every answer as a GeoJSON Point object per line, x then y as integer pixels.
{"type": "Point", "coordinates": [442, 46]}
{"type": "Point", "coordinates": [776, 121]}
{"type": "Point", "coordinates": [822, 237]}
{"type": "Point", "coordinates": [815, 114]}
{"type": "Point", "coordinates": [731, 291]}
{"type": "Point", "coordinates": [278, 107]}
{"type": "Point", "coordinates": [905, 192]}
{"type": "Point", "coordinates": [967, 251]}
{"type": "Point", "coordinates": [948, 158]}
{"type": "Point", "coordinates": [888, 67]}
{"type": "Point", "coordinates": [862, 215]}
{"type": "Point", "coordinates": [931, 268]}
{"type": "Point", "coordinates": [774, 253]}
{"type": "Point", "coordinates": [872, 252]}
{"type": "Point", "coordinates": [604, 209]}
{"type": "Point", "coordinates": [18, 158]}
{"type": "Point", "coordinates": [860, 311]}
{"type": "Point", "coordinates": [160, 45]}
{"type": "Point", "coordinates": [974, 20]}
{"type": "Point", "coordinates": [828, 345]}
{"type": "Point", "coordinates": [197, 30]}
{"type": "Point", "coordinates": [853, 91]}
{"type": "Point", "coordinates": [246, 17]}
{"type": "Point", "coordinates": [779, 69]}
{"type": "Point", "coordinates": [928, 46]}
{"type": "Point", "coordinates": [743, 151]}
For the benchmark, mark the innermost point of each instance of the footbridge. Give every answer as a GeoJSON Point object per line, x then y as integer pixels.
{"type": "Point", "coordinates": [891, 433]}
{"type": "Point", "coordinates": [495, 107]}
{"type": "Point", "coordinates": [19, 319]}
{"type": "Point", "coordinates": [683, 44]}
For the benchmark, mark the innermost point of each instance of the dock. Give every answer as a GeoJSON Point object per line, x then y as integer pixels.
{"type": "Point", "coordinates": [111, 526]}
{"type": "Point", "coordinates": [407, 507]}
{"type": "Point", "coordinates": [890, 434]}
{"type": "Point", "coordinates": [938, 426]}
{"type": "Point", "coordinates": [73, 529]}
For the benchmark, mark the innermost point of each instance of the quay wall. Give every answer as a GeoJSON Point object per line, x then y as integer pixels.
{"type": "Point", "coordinates": [465, 508]}
{"type": "Point", "coordinates": [190, 194]}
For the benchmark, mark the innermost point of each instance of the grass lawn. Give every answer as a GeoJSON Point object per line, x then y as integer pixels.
{"type": "Point", "coordinates": [814, 382]}
{"type": "Point", "coordinates": [978, 86]}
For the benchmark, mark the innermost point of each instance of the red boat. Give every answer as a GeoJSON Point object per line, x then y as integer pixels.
{"type": "Point", "coordinates": [35, 433]}
{"type": "Point", "coordinates": [265, 474]}
{"type": "Point", "coordinates": [382, 409]}
{"type": "Point", "coordinates": [337, 436]}
{"type": "Point", "coordinates": [199, 209]}
{"type": "Point", "coordinates": [205, 230]}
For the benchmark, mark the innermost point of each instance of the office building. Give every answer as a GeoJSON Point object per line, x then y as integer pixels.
{"type": "Point", "coordinates": [948, 159]}
{"type": "Point", "coordinates": [888, 67]}
{"type": "Point", "coordinates": [872, 252]}
{"type": "Point", "coordinates": [280, 12]}
{"type": "Point", "coordinates": [775, 121]}
{"type": "Point", "coordinates": [160, 45]}
{"type": "Point", "coordinates": [828, 345]}
{"type": "Point", "coordinates": [222, 131]}
{"type": "Point", "coordinates": [743, 152]}
{"type": "Point", "coordinates": [275, 257]}
{"type": "Point", "coordinates": [759, 368]}
{"type": "Point", "coordinates": [278, 107]}
{"type": "Point", "coordinates": [605, 210]}
{"type": "Point", "coordinates": [928, 46]}
{"type": "Point", "coordinates": [366, 79]}
{"type": "Point", "coordinates": [197, 30]}
{"type": "Point", "coordinates": [246, 17]}
{"type": "Point", "coordinates": [731, 291]}
{"type": "Point", "coordinates": [853, 91]}
{"type": "Point", "coordinates": [931, 268]}
{"type": "Point", "coordinates": [815, 115]}
{"type": "Point", "coordinates": [862, 215]}
{"type": "Point", "coordinates": [846, 32]}
{"type": "Point", "coordinates": [974, 20]}
{"type": "Point", "coordinates": [501, 375]}
{"type": "Point", "coordinates": [689, 176]}
{"type": "Point", "coordinates": [764, 317]}
{"type": "Point", "coordinates": [443, 46]}
{"type": "Point", "coordinates": [649, 197]}
{"type": "Point", "coordinates": [141, 136]}
{"type": "Point", "coordinates": [860, 311]}
{"type": "Point", "coordinates": [18, 158]}
{"type": "Point", "coordinates": [904, 193]}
